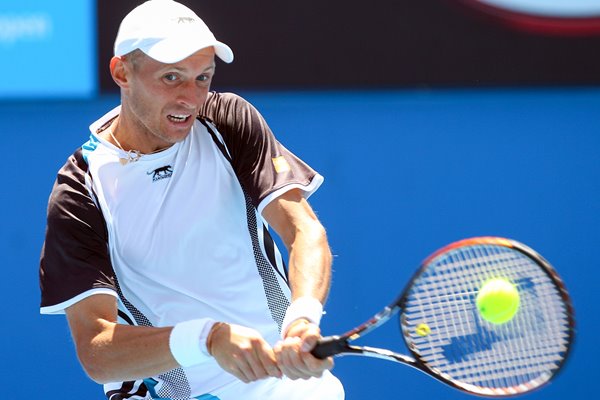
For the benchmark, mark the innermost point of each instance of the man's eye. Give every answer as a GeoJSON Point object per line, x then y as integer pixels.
{"type": "Point", "coordinates": [170, 77]}
{"type": "Point", "coordinates": [203, 78]}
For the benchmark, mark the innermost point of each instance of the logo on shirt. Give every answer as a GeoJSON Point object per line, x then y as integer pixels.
{"type": "Point", "coordinates": [161, 173]}
{"type": "Point", "coordinates": [280, 164]}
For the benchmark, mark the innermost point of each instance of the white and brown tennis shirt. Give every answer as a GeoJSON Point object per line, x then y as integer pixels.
{"type": "Point", "coordinates": [177, 235]}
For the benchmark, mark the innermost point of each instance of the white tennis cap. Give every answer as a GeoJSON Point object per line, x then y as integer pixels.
{"type": "Point", "coordinates": [168, 32]}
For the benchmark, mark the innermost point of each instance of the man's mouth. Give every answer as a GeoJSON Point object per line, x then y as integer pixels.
{"type": "Point", "coordinates": [178, 117]}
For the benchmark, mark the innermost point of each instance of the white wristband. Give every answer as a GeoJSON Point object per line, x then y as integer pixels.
{"type": "Point", "coordinates": [188, 341]}
{"type": "Point", "coordinates": [302, 308]}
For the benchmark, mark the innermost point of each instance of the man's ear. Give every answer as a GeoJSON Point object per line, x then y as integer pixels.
{"type": "Point", "coordinates": [119, 72]}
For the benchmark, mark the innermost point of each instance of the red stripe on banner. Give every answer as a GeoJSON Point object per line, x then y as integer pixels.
{"type": "Point", "coordinates": [561, 26]}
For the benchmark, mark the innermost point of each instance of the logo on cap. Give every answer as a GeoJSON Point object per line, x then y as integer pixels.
{"type": "Point", "coordinates": [185, 20]}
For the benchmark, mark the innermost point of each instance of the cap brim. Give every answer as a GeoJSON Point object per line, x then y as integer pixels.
{"type": "Point", "coordinates": [223, 51]}
{"type": "Point", "coordinates": [173, 51]}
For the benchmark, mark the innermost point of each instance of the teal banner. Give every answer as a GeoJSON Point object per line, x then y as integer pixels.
{"type": "Point", "coordinates": [48, 49]}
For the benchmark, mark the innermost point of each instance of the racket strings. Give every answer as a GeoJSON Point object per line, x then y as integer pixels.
{"type": "Point", "coordinates": [523, 352]}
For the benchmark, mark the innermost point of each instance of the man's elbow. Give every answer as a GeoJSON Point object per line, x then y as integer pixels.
{"type": "Point", "coordinates": [94, 367]}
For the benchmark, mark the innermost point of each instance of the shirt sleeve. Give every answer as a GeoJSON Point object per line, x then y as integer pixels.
{"type": "Point", "coordinates": [265, 168]}
{"type": "Point", "coordinates": [74, 262]}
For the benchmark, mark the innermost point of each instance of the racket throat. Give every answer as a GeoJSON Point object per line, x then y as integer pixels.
{"type": "Point", "coordinates": [384, 354]}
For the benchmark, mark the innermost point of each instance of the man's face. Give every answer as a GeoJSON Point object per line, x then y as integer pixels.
{"type": "Point", "coordinates": [164, 99]}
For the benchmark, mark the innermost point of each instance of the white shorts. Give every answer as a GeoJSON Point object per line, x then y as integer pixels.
{"type": "Point", "coordinates": [326, 388]}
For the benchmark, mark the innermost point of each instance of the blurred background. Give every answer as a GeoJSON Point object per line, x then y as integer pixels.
{"type": "Point", "coordinates": [431, 120]}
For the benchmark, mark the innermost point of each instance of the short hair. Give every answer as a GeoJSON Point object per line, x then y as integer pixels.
{"type": "Point", "coordinates": [134, 58]}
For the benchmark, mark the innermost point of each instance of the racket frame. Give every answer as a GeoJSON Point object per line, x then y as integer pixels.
{"type": "Point", "coordinates": [339, 345]}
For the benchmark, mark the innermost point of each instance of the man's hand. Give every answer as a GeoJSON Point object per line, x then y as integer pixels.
{"type": "Point", "coordinates": [293, 353]}
{"type": "Point", "coordinates": [242, 352]}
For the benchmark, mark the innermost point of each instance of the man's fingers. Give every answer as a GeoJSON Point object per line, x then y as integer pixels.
{"type": "Point", "coordinates": [267, 359]}
{"type": "Point", "coordinates": [256, 361]}
{"type": "Point", "coordinates": [317, 365]}
{"type": "Point", "coordinates": [243, 353]}
{"type": "Point", "coordinates": [236, 369]}
{"type": "Point", "coordinates": [295, 363]}
{"type": "Point", "coordinates": [309, 333]}
{"type": "Point", "coordinates": [309, 342]}
{"type": "Point", "coordinates": [261, 361]}
{"type": "Point", "coordinates": [293, 353]}
{"type": "Point", "coordinates": [244, 371]}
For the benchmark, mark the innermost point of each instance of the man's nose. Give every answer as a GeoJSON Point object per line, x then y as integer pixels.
{"type": "Point", "coordinates": [190, 95]}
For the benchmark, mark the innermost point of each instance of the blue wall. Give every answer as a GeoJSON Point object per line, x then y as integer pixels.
{"type": "Point", "coordinates": [406, 172]}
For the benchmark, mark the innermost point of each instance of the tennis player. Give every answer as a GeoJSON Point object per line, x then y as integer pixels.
{"type": "Point", "coordinates": [157, 247]}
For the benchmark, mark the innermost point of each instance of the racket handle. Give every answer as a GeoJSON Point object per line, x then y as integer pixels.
{"type": "Point", "coordinates": [329, 346]}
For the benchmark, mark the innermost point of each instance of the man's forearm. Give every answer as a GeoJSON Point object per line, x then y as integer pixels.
{"type": "Point", "coordinates": [310, 264]}
{"type": "Point", "coordinates": [124, 353]}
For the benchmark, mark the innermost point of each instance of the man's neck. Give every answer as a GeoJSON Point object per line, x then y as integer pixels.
{"type": "Point", "coordinates": [124, 133]}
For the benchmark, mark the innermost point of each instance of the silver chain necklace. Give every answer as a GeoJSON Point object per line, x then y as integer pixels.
{"type": "Point", "coordinates": [131, 155]}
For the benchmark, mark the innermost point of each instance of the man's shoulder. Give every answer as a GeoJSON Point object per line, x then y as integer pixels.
{"type": "Point", "coordinates": [223, 97]}
{"type": "Point", "coordinates": [70, 191]}
{"type": "Point", "coordinates": [221, 106]}
{"type": "Point", "coordinates": [75, 164]}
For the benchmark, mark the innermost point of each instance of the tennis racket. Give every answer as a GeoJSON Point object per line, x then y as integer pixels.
{"type": "Point", "coordinates": [449, 339]}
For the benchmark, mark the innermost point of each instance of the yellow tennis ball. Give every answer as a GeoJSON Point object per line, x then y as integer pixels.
{"type": "Point", "coordinates": [423, 330]}
{"type": "Point", "coordinates": [498, 301]}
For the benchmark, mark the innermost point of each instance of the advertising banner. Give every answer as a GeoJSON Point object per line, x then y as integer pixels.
{"type": "Point", "coordinates": [48, 49]}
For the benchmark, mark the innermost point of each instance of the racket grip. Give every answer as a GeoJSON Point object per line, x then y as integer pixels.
{"type": "Point", "coordinates": [328, 346]}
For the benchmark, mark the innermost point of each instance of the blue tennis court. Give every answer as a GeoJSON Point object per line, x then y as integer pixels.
{"type": "Point", "coordinates": [406, 172]}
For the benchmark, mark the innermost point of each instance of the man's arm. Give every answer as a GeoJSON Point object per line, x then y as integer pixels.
{"type": "Point", "coordinates": [309, 255]}
{"type": "Point", "coordinates": [293, 219]}
{"type": "Point", "coordinates": [111, 352]}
